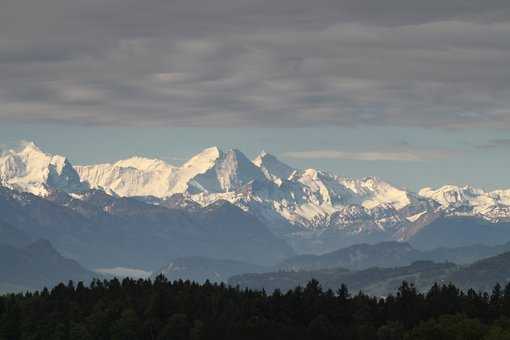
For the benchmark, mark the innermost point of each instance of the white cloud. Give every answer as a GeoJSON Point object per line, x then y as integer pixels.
{"type": "Point", "coordinates": [420, 155]}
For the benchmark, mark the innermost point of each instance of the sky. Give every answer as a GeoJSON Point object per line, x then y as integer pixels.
{"type": "Point", "coordinates": [415, 92]}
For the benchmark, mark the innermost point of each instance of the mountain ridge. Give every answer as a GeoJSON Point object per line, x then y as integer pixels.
{"type": "Point", "coordinates": [296, 204]}
{"type": "Point", "coordinates": [38, 264]}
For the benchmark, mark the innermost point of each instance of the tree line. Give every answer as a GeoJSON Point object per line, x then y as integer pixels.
{"type": "Point", "coordinates": [183, 310]}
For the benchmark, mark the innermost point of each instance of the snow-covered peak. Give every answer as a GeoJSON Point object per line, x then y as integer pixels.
{"type": "Point", "coordinates": [204, 159]}
{"type": "Point", "coordinates": [452, 195]}
{"type": "Point", "coordinates": [30, 150]}
{"type": "Point", "coordinates": [210, 171]}
{"type": "Point", "coordinates": [370, 192]}
{"type": "Point", "coordinates": [322, 185]}
{"type": "Point", "coordinates": [466, 200]}
{"type": "Point", "coordinates": [30, 169]}
{"type": "Point", "coordinates": [220, 171]}
{"type": "Point", "coordinates": [144, 164]}
{"type": "Point", "coordinates": [200, 163]}
{"type": "Point", "coordinates": [377, 192]}
{"type": "Point", "coordinates": [135, 176]}
{"type": "Point", "coordinates": [272, 167]}
{"type": "Point", "coordinates": [29, 147]}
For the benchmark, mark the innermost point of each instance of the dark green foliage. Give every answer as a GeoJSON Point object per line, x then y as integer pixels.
{"type": "Point", "coordinates": [183, 310]}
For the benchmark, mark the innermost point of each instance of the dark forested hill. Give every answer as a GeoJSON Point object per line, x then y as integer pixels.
{"type": "Point", "coordinates": [481, 275]}
{"type": "Point", "coordinates": [373, 281]}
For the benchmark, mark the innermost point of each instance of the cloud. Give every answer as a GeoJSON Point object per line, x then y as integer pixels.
{"type": "Point", "coordinates": [501, 141]}
{"type": "Point", "coordinates": [438, 63]}
{"type": "Point", "coordinates": [369, 155]}
{"type": "Point", "coordinates": [495, 143]}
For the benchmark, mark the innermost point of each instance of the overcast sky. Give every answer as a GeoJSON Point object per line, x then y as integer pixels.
{"type": "Point", "coordinates": [398, 85]}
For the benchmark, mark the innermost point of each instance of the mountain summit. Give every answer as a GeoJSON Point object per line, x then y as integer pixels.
{"type": "Point", "coordinates": [272, 167]}
{"type": "Point", "coordinates": [223, 172]}
{"type": "Point", "coordinates": [31, 170]}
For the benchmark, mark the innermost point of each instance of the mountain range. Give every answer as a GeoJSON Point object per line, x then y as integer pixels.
{"type": "Point", "coordinates": [144, 213]}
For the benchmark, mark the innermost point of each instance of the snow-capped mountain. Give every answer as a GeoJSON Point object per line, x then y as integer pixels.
{"type": "Point", "coordinates": [136, 176]}
{"type": "Point", "coordinates": [469, 201]}
{"type": "Point", "coordinates": [273, 191]}
{"type": "Point", "coordinates": [31, 170]}
{"type": "Point", "coordinates": [272, 167]}
{"type": "Point", "coordinates": [210, 171]}
{"type": "Point", "coordinates": [310, 204]}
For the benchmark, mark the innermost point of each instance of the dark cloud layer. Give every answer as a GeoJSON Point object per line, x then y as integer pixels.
{"type": "Point", "coordinates": [437, 63]}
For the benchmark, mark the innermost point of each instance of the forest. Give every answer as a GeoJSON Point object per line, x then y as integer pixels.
{"type": "Point", "coordinates": [182, 310]}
